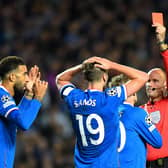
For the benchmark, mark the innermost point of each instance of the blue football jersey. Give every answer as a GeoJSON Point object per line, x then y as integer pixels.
{"type": "Point", "coordinates": [95, 120]}
{"type": "Point", "coordinates": [12, 117]}
{"type": "Point", "coordinates": [136, 130]}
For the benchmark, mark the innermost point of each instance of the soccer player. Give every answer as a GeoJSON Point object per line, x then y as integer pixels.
{"type": "Point", "coordinates": [136, 130]}
{"type": "Point", "coordinates": [94, 112]}
{"type": "Point", "coordinates": [14, 75]}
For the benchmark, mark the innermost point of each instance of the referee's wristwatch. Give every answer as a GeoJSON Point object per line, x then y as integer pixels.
{"type": "Point", "coordinates": [163, 46]}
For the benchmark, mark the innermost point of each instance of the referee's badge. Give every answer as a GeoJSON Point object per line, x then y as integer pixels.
{"type": "Point", "coordinates": [155, 117]}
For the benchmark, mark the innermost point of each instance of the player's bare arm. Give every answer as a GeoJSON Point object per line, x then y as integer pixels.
{"type": "Point", "coordinates": [138, 78]}
{"type": "Point", "coordinates": [66, 76]}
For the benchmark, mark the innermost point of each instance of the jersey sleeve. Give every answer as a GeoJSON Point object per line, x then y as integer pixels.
{"type": "Point", "coordinates": [26, 114]}
{"type": "Point", "coordinates": [22, 115]}
{"type": "Point", "coordinates": [118, 91]}
{"type": "Point", "coordinates": [65, 93]}
{"type": "Point", "coordinates": [165, 61]}
{"type": "Point", "coordinates": [147, 129]}
{"type": "Point", "coordinates": [66, 90]}
{"type": "Point", "coordinates": [7, 104]}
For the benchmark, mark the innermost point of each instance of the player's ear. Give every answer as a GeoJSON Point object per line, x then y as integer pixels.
{"type": "Point", "coordinates": [165, 91]}
{"type": "Point", "coordinates": [165, 84]}
{"type": "Point", "coordinates": [105, 78]}
{"type": "Point", "coordinates": [11, 77]}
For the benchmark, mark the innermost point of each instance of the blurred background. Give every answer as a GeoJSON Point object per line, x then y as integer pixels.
{"type": "Point", "coordinates": [57, 34]}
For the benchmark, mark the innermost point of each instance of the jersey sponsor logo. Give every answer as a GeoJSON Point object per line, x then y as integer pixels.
{"type": "Point", "coordinates": [90, 102]}
{"type": "Point", "coordinates": [148, 119]}
{"type": "Point", "coordinates": [114, 91]}
{"type": "Point", "coordinates": [5, 98]}
{"type": "Point", "coordinates": [9, 103]}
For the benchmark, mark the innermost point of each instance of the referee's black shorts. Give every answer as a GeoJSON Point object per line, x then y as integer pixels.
{"type": "Point", "coordinates": [160, 163]}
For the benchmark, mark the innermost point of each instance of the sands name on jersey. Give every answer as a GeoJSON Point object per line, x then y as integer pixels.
{"type": "Point", "coordinates": [85, 102]}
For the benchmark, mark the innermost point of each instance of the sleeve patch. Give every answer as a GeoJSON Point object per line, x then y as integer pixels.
{"type": "Point", "coordinates": [151, 128]}
{"type": "Point", "coordinates": [67, 91]}
{"type": "Point", "coordinates": [5, 98]}
{"type": "Point", "coordinates": [9, 103]}
{"type": "Point", "coordinates": [148, 120]}
{"type": "Point", "coordinates": [114, 91]}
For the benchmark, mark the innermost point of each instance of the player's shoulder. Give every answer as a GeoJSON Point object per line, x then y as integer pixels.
{"type": "Point", "coordinates": [164, 101]}
{"type": "Point", "coordinates": [135, 112]}
{"type": "Point", "coordinates": [139, 109]}
{"type": "Point", "coordinates": [7, 102]}
{"type": "Point", "coordinates": [3, 91]}
{"type": "Point", "coordinates": [139, 113]}
{"type": "Point", "coordinates": [114, 91]}
{"type": "Point", "coordinates": [67, 89]}
{"type": "Point", "coordinates": [5, 97]}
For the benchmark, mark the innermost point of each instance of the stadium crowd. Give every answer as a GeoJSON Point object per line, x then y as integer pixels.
{"type": "Point", "coordinates": [56, 34]}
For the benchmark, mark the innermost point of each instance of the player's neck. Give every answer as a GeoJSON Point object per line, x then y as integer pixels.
{"type": "Point", "coordinates": [8, 87]}
{"type": "Point", "coordinates": [95, 86]}
{"type": "Point", "coordinates": [130, 101]}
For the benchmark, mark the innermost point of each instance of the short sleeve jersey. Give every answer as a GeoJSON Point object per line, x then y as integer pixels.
{"type": "Point", "coordinates": [95, 120]}
{"type": "Point", "coordinates": [161, 108]}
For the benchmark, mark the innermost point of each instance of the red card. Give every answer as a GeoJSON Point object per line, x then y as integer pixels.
{"type": "Point", "coordinates": [157, 17]}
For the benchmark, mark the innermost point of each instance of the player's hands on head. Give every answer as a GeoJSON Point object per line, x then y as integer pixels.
{"type": "Point", "coordinates": [100, 62]}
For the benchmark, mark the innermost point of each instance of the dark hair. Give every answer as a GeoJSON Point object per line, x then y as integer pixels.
{"type": "Point", "coordinates": [118, 80]}
{"type": "Point", "coordinates": [92, 73]}
{"type": "Point", "coordinates": [8, 64]}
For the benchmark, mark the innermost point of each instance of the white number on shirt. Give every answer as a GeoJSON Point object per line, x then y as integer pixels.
{"type": "Point", "coordinates": [99, 130]}
{"type": "Point", "coordinates": [122, 137]}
